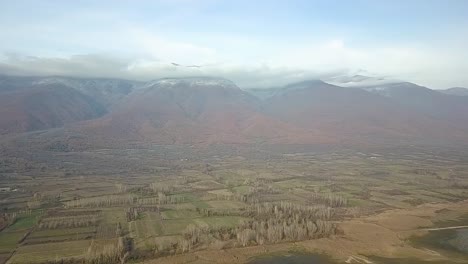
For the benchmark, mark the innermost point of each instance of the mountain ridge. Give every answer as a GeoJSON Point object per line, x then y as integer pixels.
{"type": "Point", "coordinates": [211, 110]}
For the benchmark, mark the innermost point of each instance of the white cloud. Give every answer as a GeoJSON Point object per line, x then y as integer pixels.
{"type": "Point", "coordinates": [336, 44]}
{"type": "Point", "coordinates": [137, 53]}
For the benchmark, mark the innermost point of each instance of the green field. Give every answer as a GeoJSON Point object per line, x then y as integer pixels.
{"type": "Point", "coordinates": [9, 240]}
{"type": "Point", "coordinates": [175, 214]}
{"type": "Point", "coordinates": [62, 232]}
{"type": "Point", "coordinates": [25, 221]}
{"type": "Point", "coordinates": [149, 225]}
{"type": "Point", "coordinates": [50, 251]}
{"type": "Point", "coordinates": [176, 226]}
{"type": "Point", "coordinates": [226, 204]}
{"type": "Point", "coordinates": [218, 221]}
{"type": "Point", "coordinates": [10, 236]}
{"type": "Point", "coordinates": [193, 199]}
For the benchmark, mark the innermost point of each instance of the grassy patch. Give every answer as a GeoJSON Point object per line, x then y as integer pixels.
{"type": "Point", "coordinates": [242, 189]}
{"type": "Point", "coordinates": [218, 221]}
{"type": "Point", "coordinates": [224, 192]}
{"type": "Point", "coordinates": [63, 234]}
{"type": "Point", "coordinates": [49, 252]}
{"type": "Point", "coordinates": [226, 204]}
{"type": "Point", "coordinates": [8, 240]}
{"type": "Point", "coordinates": [14, 233]}
{"type": "Point", "coordinates": [114, 216]}
{"type": "Point", "coordinates": [294, 183]}
{"type": "Point", "coordinates": [207, 185]}
{"type": "Point", "coordinates": [148, 226]}
{"type": "Point", "coordinates": [25, 222]}
{"type": "Point", "coordinates": [189, 197]}
{"type": "Point", "coordinates": [176, 226]}
{"type": "Point", "coordinates": [175, 214]}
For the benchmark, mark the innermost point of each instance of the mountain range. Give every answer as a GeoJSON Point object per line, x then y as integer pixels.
{"type": "Point", "coordinates": [456, 91]}
{"type": "Point", "coordinates": [207, 110]}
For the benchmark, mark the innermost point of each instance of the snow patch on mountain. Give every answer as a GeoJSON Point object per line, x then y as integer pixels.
{"type": "Point", "coordinates": [192, 82]}
{"type": "Point", "coordinates": [360, 80]}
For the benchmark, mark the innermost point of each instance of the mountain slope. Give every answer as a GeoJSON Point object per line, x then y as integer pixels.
{"type": "Point", "coordinates": [107, 92]}
{"type": "Point", "coordinates": [460, 91]}
{"type": "Point", "coordinates": [354, 115]}
{"type": "Point", "coordinates": [194, 111]}
{"type": "Point", "coordinates": [443, 107]}
{"type": "Point", "coordinates": [45, 106]}
{"type": "Point", "coordinates": [213, 110]}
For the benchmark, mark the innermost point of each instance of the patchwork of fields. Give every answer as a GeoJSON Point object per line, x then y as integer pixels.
{"type": "Point", "coordinates": [211, 204]}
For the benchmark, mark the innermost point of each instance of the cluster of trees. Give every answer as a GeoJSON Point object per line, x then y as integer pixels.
{"type": "Point", "coordinates": [194, 236]}
{"type": "Point", "coordinates": [261, 185]}
{"type": "Point", "coordinates": [7, 219]}
{"type": "Point", "coordinates": [229, 197]}
{"type": "Point", "coordinates": [120, 187]}
{"type": "Point", "coordinates": [109, 254]}
{"type": "Point", "coordinates": [285, 221]}
{"type": "Point", "coordinates": [13, 164]}
{"type": "Point", "coordinates": [271, 223]}
{"type": "Point", "coordinates": [69, 222]}
{"type": "Point", "coordinates": [330, 199]}
{"type": "Point", "coordinates": [127, 199]}
{"type": "Point", "coordinates": [34, 204]}
{"type": "Point", "coordinates": [287, 210]}
{"type": "Point", "coordinates": [147, 201]}
{"type": "Point", "coordinates": [276, 230]}
{"type": "Point", "coordinates": [132, 213]}
{"type": "Point", "coordinates": [157, 187]}
{"type": "Point", "coordinates": [169, 199]}
{"type": "Point", "coordinates": [102, 201]}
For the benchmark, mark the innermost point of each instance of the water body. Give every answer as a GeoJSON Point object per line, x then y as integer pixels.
{"type": "Point", "coordinates": [448, 241]}
{"type": "Point", "coordinates": [292, 258]}
{"type": "Point", "coordinates": [451, 241]}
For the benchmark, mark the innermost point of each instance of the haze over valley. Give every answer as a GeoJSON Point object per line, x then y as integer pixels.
{"type": "Point", "coordinates": [233, 132]}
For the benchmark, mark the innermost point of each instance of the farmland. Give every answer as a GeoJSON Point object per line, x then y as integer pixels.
{"type": "Point", "coordinates": [164, 206]}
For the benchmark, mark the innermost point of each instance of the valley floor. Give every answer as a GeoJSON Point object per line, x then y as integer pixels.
{"type": "Point", "coordinates": [385, 235]}
{"type": "Point", "coordinates": [180, 205]}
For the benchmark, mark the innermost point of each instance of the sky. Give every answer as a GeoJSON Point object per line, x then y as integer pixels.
{"type": "Point", "coordinates": [254, 43]}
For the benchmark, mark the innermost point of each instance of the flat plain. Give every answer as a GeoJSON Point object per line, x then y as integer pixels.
{"type": "Point", "coordinates": [191, 206]}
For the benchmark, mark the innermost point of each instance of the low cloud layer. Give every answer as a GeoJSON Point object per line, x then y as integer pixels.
{"type": "Point", "coordinates": [105, 66]}
{"type": "Point", "coordinates": [425, 68]}
{"type": "Point", "coordinates": [149, 40]}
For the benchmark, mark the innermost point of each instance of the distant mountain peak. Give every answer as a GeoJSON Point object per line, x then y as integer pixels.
{"type": "Point", "coordinates": [306, 83]}
{"type": "Point", "coordinates": [192, 81]}
{"type": "Point", "coordinates": [265, 93]}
